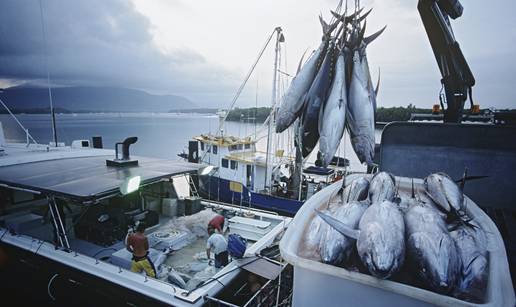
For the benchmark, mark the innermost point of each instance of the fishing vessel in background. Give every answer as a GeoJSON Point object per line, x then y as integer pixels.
{"type": "Point", "coordinates": [275, 179]}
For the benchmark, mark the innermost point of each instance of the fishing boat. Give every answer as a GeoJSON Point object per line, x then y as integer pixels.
{"type": "Point", "coordinates": [65, 212]}
{"type": "Point", "coordinates": [271, 179]}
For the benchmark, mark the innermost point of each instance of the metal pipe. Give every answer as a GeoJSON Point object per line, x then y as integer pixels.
{"type": "Point", "coordinates": [55, 222]}
{"type": "Point", "coordinates": [3, 185]}
{"type": "Point", "coordinates": [60, 229]}
{"type": "Point", "coordinates": [18, 122]}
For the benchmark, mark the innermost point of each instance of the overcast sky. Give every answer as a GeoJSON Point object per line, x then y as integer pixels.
{"type": "Point", "coordinates": [202, 49]}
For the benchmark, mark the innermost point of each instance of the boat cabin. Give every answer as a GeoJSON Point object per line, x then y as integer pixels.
{"type": "Point", "coordinates": [236, 159]}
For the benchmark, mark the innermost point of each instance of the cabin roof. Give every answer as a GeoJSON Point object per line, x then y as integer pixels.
{"type": "Point", "coordinates": [249, 157]}
{"type": "Point", "coordinates": [223, 141]}
{"type": "Point", "coordinates": [86, 179]}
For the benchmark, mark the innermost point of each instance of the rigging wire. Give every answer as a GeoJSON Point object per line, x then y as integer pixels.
{"type": "Point", "coordinates": [18, 122]}
{"type": "Point", "coordinates": [249, 73]}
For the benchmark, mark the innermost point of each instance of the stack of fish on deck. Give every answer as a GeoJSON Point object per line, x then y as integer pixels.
{"type": "Point", "coordinates": [333, 90]}
{"type": "Point", "coordinates": [423, 237]}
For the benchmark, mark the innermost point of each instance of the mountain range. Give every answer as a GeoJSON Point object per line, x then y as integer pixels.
{"type": "Point", "coordinates": [92, 99]}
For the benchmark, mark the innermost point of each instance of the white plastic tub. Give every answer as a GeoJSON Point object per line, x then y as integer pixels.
{"type": "Point", "coordinates": [319, 284]}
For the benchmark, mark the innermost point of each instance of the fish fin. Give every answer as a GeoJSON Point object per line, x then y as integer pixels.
{"type": "Point", "coordinates": [348, 19]}
{"type": "Point", "coordinates": [439, 207]}
{"type": "Point", "coordinates": [372, 37]}
{"type": "Point", "coordinates": [362, 34]}
{"type": "Point", "coordinates": [377, 83]}
{"type": "Point", "coordinates": [413, 190]}
{"type": "Point", "coordinates": [463, 180]}
{"type": "Point", "coordinates": [361, 18]}
{"type": "Point", "coordinates": [337, 15]}
{"type": "Point", "coordinates": [301, 62]}
{"type": "Point", "coordinates": [351, 17]}
{"type": "Point", "coordinates": [324, 25]}
{"type": "Point", "coordinates": [338, 225]}
{"type": "Point", "coordinates": [468, 178]}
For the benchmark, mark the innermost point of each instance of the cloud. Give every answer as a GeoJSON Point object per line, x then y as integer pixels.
{"type": "Point", "coordinates": [99, 42]}
{"type": "Point", "coordinates": [202, 49]}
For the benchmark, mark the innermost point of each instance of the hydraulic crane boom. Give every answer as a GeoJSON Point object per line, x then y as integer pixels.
{"type": "Point", "coordinates": [457, 78]}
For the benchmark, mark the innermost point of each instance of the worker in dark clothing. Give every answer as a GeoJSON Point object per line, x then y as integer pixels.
{"type": "Point", "coordinates": [217, 223]}
{"type": "Point", "coordinates": [138, 245]}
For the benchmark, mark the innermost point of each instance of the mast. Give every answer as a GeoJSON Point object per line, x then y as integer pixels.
{"type": "Point", "coordinates": [268, 165]}
{"type": "Point", "coordinates": [52, 112]}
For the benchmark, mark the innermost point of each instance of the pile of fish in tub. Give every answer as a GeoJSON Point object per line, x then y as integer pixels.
{"type": "Point", "coordinates": [333, 90]}
{"type": "Point", "coordinates": [423, 238]}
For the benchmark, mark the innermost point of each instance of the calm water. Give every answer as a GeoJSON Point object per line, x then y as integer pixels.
{"type": "Point", "coordinates": [159, 135]}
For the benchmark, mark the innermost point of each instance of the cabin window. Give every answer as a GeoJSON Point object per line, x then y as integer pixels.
{"type": "Point", "coordinates": [202, 146]}
{"type": "Point", "coordinates": [232, 147]}
{"type": "Point", "coordinates": [225, 163]}
{"type": "Point", "coordinates": [215, 149]}
{"type": "Point", "coordinates": [234, 164]}
{"type": "Point", "coordinates": [240, 146]}
{"type": "Point", "coordinates": [247, 146]}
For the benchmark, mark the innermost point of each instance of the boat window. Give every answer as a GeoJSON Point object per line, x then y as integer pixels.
{"type": "Point", "coordinates": [247, 146]}
{"type": "Point", "coordinates": [232, 147]}
{"type": "Point", "coordinates": [215, 149]}
{"type": "Point", "coordinates": [234, 164]}
{"type": "Point", "coordinates": [240, 146]}
{"type": "Point", "coordinates": [225, 163]}
{"type": "Point", "coordinates": [202, 146]}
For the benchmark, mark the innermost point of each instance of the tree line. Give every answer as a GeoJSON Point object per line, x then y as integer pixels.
{"type": "Point", "coordinates": [382, 114]}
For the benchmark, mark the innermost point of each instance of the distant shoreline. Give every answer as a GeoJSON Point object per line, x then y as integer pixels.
{"type": "Point", "coordinates": [258, 115]}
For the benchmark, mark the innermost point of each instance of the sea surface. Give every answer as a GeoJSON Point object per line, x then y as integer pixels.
{"type": "Point", "coordinates": [161, 135]}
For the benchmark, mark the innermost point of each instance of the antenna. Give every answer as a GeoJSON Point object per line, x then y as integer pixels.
{"type": "Point", "coordinates": [52, 112]}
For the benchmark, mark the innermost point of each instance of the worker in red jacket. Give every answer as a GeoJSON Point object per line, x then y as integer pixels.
{"type": "Point", "coordinates": [138, 245]}
{"type": "Point", "coordinates": [217, 223]}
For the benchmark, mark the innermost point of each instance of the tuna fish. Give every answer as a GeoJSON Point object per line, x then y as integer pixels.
{"type": "Point", "coordinates": [314, 100]}
{"type": "Point", "coordinates": [357, 190]}
{"type": "Point", "coordinates": [361, 112]}
{"type": "Point", "coordinates": [334, 114]}
{"type": "Point", "coordinates": [336, 248]}
{"type": "Point", "coordinates": [444, 192]}
{"type": "Point", "coordinates": [293, 102]}
{"type": "Point", "coordinates": [431, 252]}
{"type": "Point", "coordinates": [382, 187]}
{"type": "Point", "coordinates": [472, 246]}
{"type": "Point", "coordinates": [362, 100]}
{"type": "Point", "coordinates": [380, 238]}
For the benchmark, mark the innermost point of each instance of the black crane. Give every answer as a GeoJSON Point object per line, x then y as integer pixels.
{"type": "Point", "coordinates": [457, 78]}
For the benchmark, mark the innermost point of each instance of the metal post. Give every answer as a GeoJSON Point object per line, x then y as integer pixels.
{"type": "Point", "coordinates": [58, 223]}
{"type": "Point", "coordinates": [268, 173]}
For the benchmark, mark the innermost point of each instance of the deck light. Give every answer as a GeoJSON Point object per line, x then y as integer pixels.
{"type": "Point", "coordinates": [130, 185]}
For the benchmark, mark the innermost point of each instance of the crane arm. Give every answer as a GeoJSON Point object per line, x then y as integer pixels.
{"type": "Point", "coordinates": [457, 78]}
